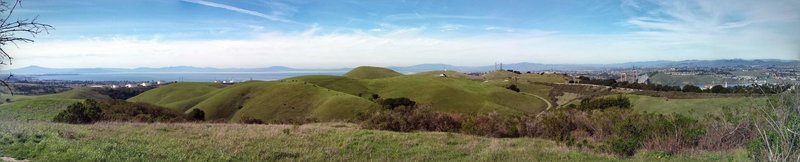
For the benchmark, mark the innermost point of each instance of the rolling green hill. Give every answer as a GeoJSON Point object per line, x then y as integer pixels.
{"type": "Point", "coordinates": [370, 72]}
{"type": "Point", "coordinates": [44, 107]}
{"type": "Point", "coordinates": [282, 100]}
{"type": "Point", "coordinates": [326, 98]}
{"type": "Point", "coordinates": [178, 96]}
{"type": "Point", "coordinates": [455, 94]}
{"type": "Point", "coordinates": [449, 73]}
{"type": "Point", "coordinates": [347, 85]}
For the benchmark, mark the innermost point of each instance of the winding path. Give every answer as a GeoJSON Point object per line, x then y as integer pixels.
{"type": "Point", "coordinates": [8, 159]}
{"type": "Point", "coordinates": [549, 105]}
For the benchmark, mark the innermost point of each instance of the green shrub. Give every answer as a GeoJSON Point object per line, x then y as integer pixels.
{"type": "Point", "coordinates": [406, 119]}
{"type": "Point", "coordinates": [80, 113]}
{"type": "Point", "coordinates": [123, 111]}
{"type": "Point", "coordinates": [513, 87]}
{"type": "Point", "coordinates": [777, 125]}
{"type": "Point", "coordinates": [624, 146]}
{"type": "Point", "coordinates": [197, 114]}
{"type": "Point", "coordinates": [392, 103]}
{"type": "Point", "coordinates": [250, 120]}
{"type": "Point", "coordinates": [91, 111]}
{"type": "Point", "coordinates": [603, 103]}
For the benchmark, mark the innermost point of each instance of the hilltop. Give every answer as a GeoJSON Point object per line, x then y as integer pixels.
{"type": "Point", "coordinates": [369, 72]}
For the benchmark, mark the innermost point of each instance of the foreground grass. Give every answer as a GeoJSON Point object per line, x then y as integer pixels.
{"type": "Point", "coordinates": [42, 141]}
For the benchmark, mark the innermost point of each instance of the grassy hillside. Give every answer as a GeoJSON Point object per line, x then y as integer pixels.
{"type": "Point", "coordinates": [369, 72]}
{"type": "Point", "coordinates": [327, 98]}
{"type": "Point", "coordinates": [443, 94]}
{"type": "Point", "coordinates": [449, 73]}
{"type": "Point", "coordinates": [347, 85]}
{"type": "Point", "coordinates": [314, 142]}
{"type": "Point", "coordinates": [691, 107]}
{"type": "Point", "coordinates": [499, 75]}
{"type": "Point", "coordinates": [455, 94]}
{"type": "Point", "coordinates": [544, 78]}
{"type": "Point", "coordinates": [178, 96]}
{"type": "Point", "coordinates": [282, 100]}
{"type": "Point", "coordinates": [45, 107]}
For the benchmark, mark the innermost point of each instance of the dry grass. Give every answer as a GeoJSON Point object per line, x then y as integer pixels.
{"type": "Point", "coordinates": [311, 142]}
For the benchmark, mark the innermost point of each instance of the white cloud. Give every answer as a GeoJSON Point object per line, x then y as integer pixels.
{"type": "Point", "coordinates": [274, 16]}
{"type": "Point", "coordinates": [395, 47]}
{"type": "Point", "coordinates": [674, 30]}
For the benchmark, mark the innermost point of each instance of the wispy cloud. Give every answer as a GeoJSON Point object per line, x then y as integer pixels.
{"type": "Point", "coordinates": [400, 46]}
{"type": "Point", "coordinates": [450, 27]}
{"type": "Point", "coordinates": [273, 17]}
{"type": "Point", "coordinates": [417, 16]}
{"type": "Point", "coordinates": [719, 27]}
{"type": "Point", "coordinates": [654, 30]}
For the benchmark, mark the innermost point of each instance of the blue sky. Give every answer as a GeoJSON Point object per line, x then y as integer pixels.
{"type": "Point", "coordinates": [339, 33]}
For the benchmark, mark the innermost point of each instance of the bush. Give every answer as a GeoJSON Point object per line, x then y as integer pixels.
{"type": "Point", "coordinates": [624, 146]}
{"type": "Point", "coordinates": [197, 114]}
{"type": "Point", "coordinates": [91, 111]}
{"type": "Point", "coordinates": [123, 111]}
{"type": "Point", "coordinates": [513, 87]}
{"type": "Point", "coordinates": [80, 113]}
{"type": "Point", "coordinates": [391, 103]}
{"type": "Point", "coordinates": [778, 129]}
{"type": "Point", "coordinates": [691, 88]}
{"type": "Point", "coordinates": [250, 120]}
{"type": "Point", "coordinates": [618, 130]}
{"type": "Point", "coordinates": [603, 103]}
{"type": "Point", "coordinates": [491, 125]}
{"type": "Point", "coordinates": [405, 119]}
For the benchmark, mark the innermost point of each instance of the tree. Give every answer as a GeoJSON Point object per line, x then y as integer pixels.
{"type": "Point", "coordinates": [10, 30]}
{"type": "Point", "coordinates": [513, 87]}
{"type": "Point", "coordinates": [391, 103]}
{"type": "Point", "coordinates": [719, 89]}
{"type": "Point", "coordinates": [80, 113]}
{"type": "Point", "coordinates": [691, 88]}
{"type": "Point", "coordinates": [197, 114]}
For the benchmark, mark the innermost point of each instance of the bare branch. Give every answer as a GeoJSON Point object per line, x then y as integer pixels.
{"type": "Point", "coordinates": [10, 29]}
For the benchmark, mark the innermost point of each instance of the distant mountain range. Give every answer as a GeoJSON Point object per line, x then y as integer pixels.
{"type": "Point", "coordinates": [524, 66]}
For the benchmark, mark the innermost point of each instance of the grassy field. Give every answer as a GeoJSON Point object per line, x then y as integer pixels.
{"type": "Point", "coordinates": [44, 107]}
{"type": "Point", "coordinates": [692, 107]}
{"type": "Point", "coordinates": [41, 141]}
{"type": "Point", "coordinates": [565, 99]}
{"type": "Point", "coordinates": [329, 98]}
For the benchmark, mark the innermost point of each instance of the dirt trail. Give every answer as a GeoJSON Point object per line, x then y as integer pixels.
{"type": "Point", "coordinates": [549, 105]}
{"type": "Point", "coordinates": [8, 159]}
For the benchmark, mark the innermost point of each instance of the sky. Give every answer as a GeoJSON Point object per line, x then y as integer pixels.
{"type": "Point", "coordinates": [348, 33]}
